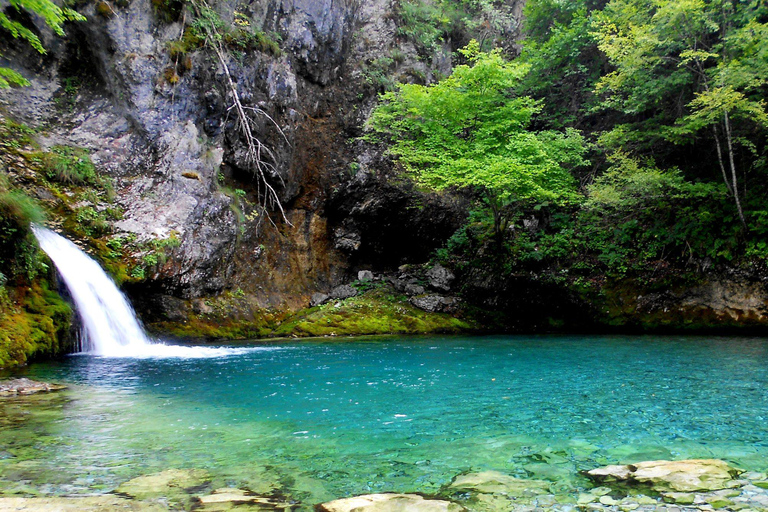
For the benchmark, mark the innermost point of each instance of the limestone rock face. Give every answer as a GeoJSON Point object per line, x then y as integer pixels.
{"type": "Point", "coordinates": [672, 476]}
{"type": "Point", "coordinates": [389, 503]}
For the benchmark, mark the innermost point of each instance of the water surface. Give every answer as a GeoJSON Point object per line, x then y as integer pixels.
{"type": "Point", "coordinates": [323, 419]}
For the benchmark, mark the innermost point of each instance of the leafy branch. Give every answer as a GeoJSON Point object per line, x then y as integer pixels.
{"type": "Point", "coordinates": [53, 15]}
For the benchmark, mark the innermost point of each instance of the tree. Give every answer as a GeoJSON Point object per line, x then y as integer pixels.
{"type": "Point", "coordinates": [565, 60]}
{"type": "Point", "coordinates": [53, 15]}
{"type": "Point", "coordinates": [470, 131]}
{"type": "Point", "coordinates": [687, 67]}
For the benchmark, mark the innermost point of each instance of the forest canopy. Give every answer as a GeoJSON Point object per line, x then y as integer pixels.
{"type": "Point", "coordinates": [655, 108]}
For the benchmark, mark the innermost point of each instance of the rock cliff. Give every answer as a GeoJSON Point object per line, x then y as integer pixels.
{"type": "Point", "coordinates": [153, 105]}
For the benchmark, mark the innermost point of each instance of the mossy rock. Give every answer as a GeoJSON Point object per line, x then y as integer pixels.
{"type": "Point", "coordinates": [378, 311]}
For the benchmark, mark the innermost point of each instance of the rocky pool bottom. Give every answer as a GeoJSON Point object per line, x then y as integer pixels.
{"type": "Point", "coordinates": [490, 423]}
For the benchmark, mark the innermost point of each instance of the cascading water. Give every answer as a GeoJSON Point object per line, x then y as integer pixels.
{"type": "Point", "coordinates": [109, 325]}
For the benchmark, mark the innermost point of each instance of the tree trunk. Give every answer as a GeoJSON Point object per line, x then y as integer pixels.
{"type": "Point", "coordinates": [734, 181]}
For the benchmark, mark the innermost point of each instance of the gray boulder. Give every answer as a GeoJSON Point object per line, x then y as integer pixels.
{"type": "Point", "coordinates": [365, 275]}
{"type": "Point", "coordinates": [411, 289]}
{"type": "Point", "coordinates": [440, 278]}
{"type": "Point", "coordinates": [434, 303]}
{"type": "Point", "coordinates": [317, 299]}
{"type": "Point", "coordinates": [343, 292]}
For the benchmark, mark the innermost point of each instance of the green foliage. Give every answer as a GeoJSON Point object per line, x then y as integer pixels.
{"type": "Point", "coordinates": [69, 165]}
{"type": "Point", "coordinates": [430, 24]}
{"type": "Point", "coordinates": [683, 64]}
{"type": "Point", "coordinates": [53, 15]}
{"type": "Point", "coordinates": [248, 39]}
{"type": "Point", "coordinates": [564, 58]}
{"type": "Point", "coordinates": [470, 131]}
{"type": "Point", "coordinates": [636, 220]}
{"type": "Point", "coordinates": [640, 214]}
{"type": "Point", "coordinates": [19, 256]}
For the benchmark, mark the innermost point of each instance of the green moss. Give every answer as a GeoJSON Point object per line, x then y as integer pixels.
{"type": "Point", "coordinates": [199, 327]}
{"type": "Point", "coordinates": [35, 324]}
{"type": "Point", "coordinates": [377, 312]}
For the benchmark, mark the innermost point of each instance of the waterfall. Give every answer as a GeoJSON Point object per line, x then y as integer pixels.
{"type": "Point", "coordinates": [109, 324]}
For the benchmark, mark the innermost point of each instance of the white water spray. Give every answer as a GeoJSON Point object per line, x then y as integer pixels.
{"type": "Point", "coordinates": [109, 325]}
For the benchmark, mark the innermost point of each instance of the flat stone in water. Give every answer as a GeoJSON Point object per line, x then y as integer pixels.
{"type": "Point", "coordinates": [671, 476]}
{"type": "Point", "coordinates": [493, 482]}
{"type": "Point", "coordinates": [389, 503]}
{"type": "Point", "coordinates": [227, 499]}
{"type": "Point", "coordinates": [86, 504]}
{"type": "Point", "coordinates": [174, 484]}
{"type": "Point", "coordinates": [24, 386]}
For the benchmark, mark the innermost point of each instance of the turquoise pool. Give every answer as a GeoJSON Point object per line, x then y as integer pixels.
{"type": "Point", "coordinates": [318, 420]}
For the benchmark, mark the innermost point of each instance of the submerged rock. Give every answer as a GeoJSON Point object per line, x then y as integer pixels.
{"type": "Point", "coordinates": [173, 484]}
{"type": "Point", "coordinates": [672, 476]}
{"type": "Point", "coordinates": [389, 503]}
{"type": "Point", "coordinates": [489, 491]}
{"type": "Point", "coordinates": [226, 499]}
{"type": "Point", "coordinates": [26, 386]}
{"type": "Point", "coordinates": [494, 482]}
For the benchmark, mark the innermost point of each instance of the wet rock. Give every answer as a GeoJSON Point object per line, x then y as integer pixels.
{"type": "Point", "coordinates": [389, 503]}
{"type": "Point", "coordinates": [346, 240]}
{"type": "Point", "coordinates": [489, 491]}
{"type": "Point", "coordinates": [434, 303]}
{"type": "Point", "coordinates": [26, 386]}
{"type": "Point", "coordinates": [87, 504]}
{"type": "Point", "coordinates": [680, 498]}
{"type": "Point", "coordinates": [440, 278]}
{"type": "Point", "coordinates": [343, 291]}
{"type": "Point", "coordinates": [721, 503]}
{"type": "Point", "coordinates": [227, 498]}
{"type": "Point", "coordinates": [671, 476]}
{"type": "Point", "coordinates": [318, 298]}
{"type": "Point", "coordinates": [492, 482]}
{"type": "Point", "coordinates": [173, 484]}
{"type": "Point", "coordinates": [611, 473]}
{"type": "Point", "coordinates": [411, 289]}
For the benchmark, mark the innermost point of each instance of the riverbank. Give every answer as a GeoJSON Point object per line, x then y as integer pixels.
{"type": "Point", "coordinates": [668, 486]}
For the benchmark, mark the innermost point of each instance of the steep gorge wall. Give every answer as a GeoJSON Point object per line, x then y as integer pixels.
{"type": "Point", "coordinates": [167, 136]}
{"type": "Point", "coordinates": [161, 127]}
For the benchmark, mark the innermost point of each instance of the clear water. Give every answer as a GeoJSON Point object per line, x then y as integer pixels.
{"type": "Point", "coordinates": [318, 420]}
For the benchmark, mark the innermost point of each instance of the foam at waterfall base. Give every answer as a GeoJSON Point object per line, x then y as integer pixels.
{"type": "Point", "coordinates": [109, 324]}
{"type": "Point", "coordinates": [161, 350]}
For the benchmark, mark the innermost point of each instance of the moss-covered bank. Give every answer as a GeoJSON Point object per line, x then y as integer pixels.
{"type": "Point", "coordinates": [34, 323]}
{"type": "Point", "coordinates": [378, 311]}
